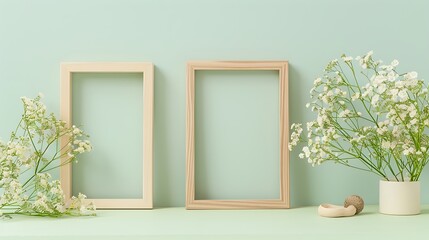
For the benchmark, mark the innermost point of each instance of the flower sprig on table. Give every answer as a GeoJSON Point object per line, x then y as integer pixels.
{"type": "Point", "coordinates": [33, 150]}
{"type": "Point", "coordinates": [368, 116]}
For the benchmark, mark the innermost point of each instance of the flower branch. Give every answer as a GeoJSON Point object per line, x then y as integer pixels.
{"type": "Point", "coordinates": [368, 112]}
{"type": "Point", "coordinates": [34, 148]}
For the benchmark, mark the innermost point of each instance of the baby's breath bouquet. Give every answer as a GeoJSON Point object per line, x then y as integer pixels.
{"type": "Point", "coordinates": [32, 151]}
{"type": "Point", "coordinates": [370, 117]}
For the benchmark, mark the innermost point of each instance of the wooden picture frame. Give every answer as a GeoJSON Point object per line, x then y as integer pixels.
{"type": "Point", "coordinates": [67, 69]}
{"type": "Point", "coordinates": [283, 201]}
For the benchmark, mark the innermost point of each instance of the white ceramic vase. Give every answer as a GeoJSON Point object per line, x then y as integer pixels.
{"type": "Point", "coordinates": [399, 198]}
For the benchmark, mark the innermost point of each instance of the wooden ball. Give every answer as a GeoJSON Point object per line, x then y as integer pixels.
{"type": "Point", "coordinates": [356, 201]}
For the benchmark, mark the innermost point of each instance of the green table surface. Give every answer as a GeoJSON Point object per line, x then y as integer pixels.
{"type": "Point", "coordinates": [178, 223]}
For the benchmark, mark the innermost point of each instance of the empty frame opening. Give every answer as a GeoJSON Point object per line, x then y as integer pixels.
{"type": "Point", "coordinates": [237, 148]}
{"type": "Point", "coordinates": [109, 107]}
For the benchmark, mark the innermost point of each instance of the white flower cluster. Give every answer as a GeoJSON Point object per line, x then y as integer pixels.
{"type": "Point", "coordinates": [77, 145]}
{"type": "Point", "coordinates": [81, 206]}
{"type": "Point", "coordinates": [33, 108]}
{"type": "Point", "coordinates": [13, 193]}
{"type": "Point", "coordinates": [49, 196]}
{"type": "Point", "coordinates": [373, 119]}
{"type": "Point", "coordinates": [295, 136]}
{"type": "Point", "coordinates": [34, 147]}
{"type": "Point", "coordinates": [81, 146]}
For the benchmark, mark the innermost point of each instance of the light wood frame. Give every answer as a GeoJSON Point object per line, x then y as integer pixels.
{"type": "Point", "coordinates": [191, 202]}
{"type": "Point", "coordinates": [66, 114]}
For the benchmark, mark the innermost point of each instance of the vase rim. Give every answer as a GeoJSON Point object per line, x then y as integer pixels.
{"type": "Point", "coordinates": [396, 181]}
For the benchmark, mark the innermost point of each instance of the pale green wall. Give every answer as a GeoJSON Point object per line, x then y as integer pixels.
{"type": "Point", "coordinates": [35, 36]}
{"type": "Point", "coordinates": [109, 107]}
{"type": "Point", "coordinates": [237, 135]}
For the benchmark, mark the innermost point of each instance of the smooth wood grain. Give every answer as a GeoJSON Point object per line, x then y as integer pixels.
{"type": "Point", "coordinates": [283, 201]}
{"type": "Point", "coordinates": [66, 114]}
